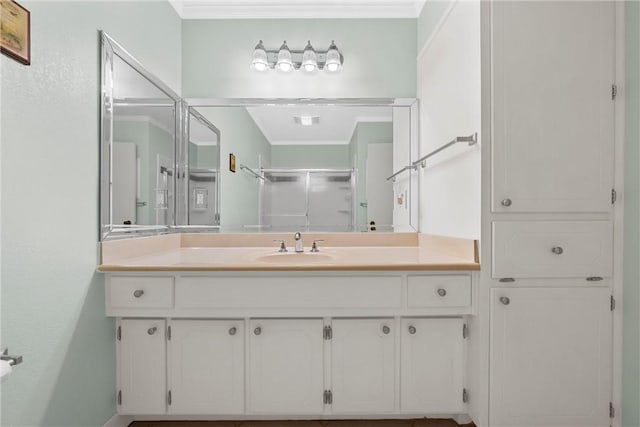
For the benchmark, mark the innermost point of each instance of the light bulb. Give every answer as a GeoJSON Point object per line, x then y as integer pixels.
{"type": "Point", "coordinates": [309, 59]}
{"type": "Point", "coordinates": [334, 59]}
{"type": "Point", "coordinates": [260, 62]}
{"type": "Point", "coordinates": [285, 62]}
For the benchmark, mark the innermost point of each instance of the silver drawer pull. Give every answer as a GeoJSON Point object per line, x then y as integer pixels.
{"type": "Point", "coordinates": [386, 330]}
{"type": "Point", "coordinates": [412, 330]}
{"type": "Point", "coordinates": [505, 300]}
{"type": "Point", "coordinates": [557, 250]}
{"type": "Point", "coordinates": [233, 331]}
{"type": "Point", "coordinates": [506, 203]}
{"type": "Point", "coordinates": [257, 331]}
{"type": "Point", "coordinates": [442, 292]}
{"type": "Point", "coordinates": [152, 331]}
{"type": "Point", "coordinates": [138, 293]}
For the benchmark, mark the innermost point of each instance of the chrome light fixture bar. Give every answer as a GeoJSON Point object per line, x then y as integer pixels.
{"type": "Point", "coordinates": [286, 60]}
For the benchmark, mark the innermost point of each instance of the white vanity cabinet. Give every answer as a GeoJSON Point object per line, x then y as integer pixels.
{"type": "Point", "coordinates": [553, 71]}
{"type": "Point", "coordinates": [343, 348]}
{"type": "Point", "coordinates": [550, 357]}
{"type": "Point", "coordinates": [142, 378]}
{"type": "Point", "coordinates": [432, 354]}
{"type": "Point", "coordinates": [363, 365]}
{"type": "Point", "coordinates": [286, 366]}
{"type": "Point", "coordinates": [206, 366]}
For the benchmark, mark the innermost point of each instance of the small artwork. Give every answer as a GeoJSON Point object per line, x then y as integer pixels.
{"type": "Point", "coordinates": [15, 30]}
{"type": "Point", "coordinates": [232, 163]}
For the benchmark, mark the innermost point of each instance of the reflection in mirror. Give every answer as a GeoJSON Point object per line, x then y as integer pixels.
{"type": "Point", "coordinates": [314, 167]}
{"type": "Point", "coordinates": [138, 145]}
{"type": "Point", "coordinates": [204, 170]}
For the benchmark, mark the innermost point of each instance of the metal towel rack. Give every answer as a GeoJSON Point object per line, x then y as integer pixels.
{"type": "Point", "coordinates": [393, 177]}
{"type": "Point", "coordinates": [251, 171]}
{"type": "Point", "coordinates": [470, 140]}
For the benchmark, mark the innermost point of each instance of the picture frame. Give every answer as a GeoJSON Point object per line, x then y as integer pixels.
{"type": "Point", "coordinates": [15, 31]}
{"type": "Point", "coordinates": [232, 162]}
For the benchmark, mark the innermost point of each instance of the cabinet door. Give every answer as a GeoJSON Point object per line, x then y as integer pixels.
{"type": "Point", "coordinates": [363, 365]}
{"type": "Point", "coordinates": [553, 68]}
{"type": "Point", "coordinates": [142, 370]}
{"type": "Point", "coordinates": [206, 360]}
{"type": "Point", "coordinates": [550, 360]}
{"type": "Point", "coordinates": [431, 366]}
{"type": "Point", "coordinates": [286, 366]}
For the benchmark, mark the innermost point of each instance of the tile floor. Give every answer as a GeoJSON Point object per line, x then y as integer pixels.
{"type": "Point", "coordinates": [336, 423]}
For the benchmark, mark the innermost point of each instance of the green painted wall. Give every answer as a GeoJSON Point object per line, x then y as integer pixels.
{"type": "Point", "coordinates": [631, 301]}
{"type": "Point", "coordinates": [239, 191]}
{"type": "Point", "coordinates": [310, 156]}
{"type": "Point", "coordinates": [380, 58]}
{"type": "Point", "coordinates": [52, 297]}
{"type": "Point", "coordinates": [431, 14]}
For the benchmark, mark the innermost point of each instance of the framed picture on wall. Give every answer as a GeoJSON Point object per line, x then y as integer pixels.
{"type": "Point", "coordinates": [15, 30]}
{"type": "Point", "coordinates": [232, 163]}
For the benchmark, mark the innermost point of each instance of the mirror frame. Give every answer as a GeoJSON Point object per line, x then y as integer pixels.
{"type": "Point", "coordinates": [109, 49]}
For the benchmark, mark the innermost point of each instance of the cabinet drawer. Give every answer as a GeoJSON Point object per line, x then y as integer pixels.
{"type": "Point", "coordinates": [552, 249]}
{"type": "Point", "coordinates": [140, 292]}
{"type": "Point", "coordinates": [438, 291]}
{"type": "Point", "coordinates": [289, 292]}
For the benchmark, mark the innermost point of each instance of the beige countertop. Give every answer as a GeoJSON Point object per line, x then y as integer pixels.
{"type": "Point", "coordinates": [213, 253]}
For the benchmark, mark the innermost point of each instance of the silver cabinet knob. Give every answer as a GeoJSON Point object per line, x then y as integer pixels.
{"type": "Point", "coordinates": [233, 331]}
{"type": "Point", "coordinates": [152, 331]}
{"type": "Point", "coordinates": [386, 330]}
{"type": "Point", "coordinates": [138, 293]}
{"type": "Point", "coordinates": [557, 250]}
{"type": "Point", "coordinates": [505, 300]}
{"type": "Point", "coordinates": [506, 203]}
{"type": "Point", "coordinates": [412, 330]}
{"type": "Point", "coordinates": [442, 292]}
{"type": "Point", "coordinates": [257, 331]}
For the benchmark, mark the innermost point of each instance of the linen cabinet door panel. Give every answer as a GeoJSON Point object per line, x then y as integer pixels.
{"type": "Point", "coordinates": [286, 366]}
{"type": "Point", "coordinates": [142, 368]}
{"type": "Point", "coordinates": [431, 366]}
{"type": "Point", "coordinates": [206, 366]}
{"type": "Point", "coordinates": [552, 249]}
{"type": "Point", "coordinates": [363, 365]}
{"type": "Point", "coordinates": [553, 114]}
{"type": "Point", "coordinates": [550, 357]}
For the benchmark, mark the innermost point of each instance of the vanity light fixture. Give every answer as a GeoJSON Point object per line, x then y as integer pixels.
{"type": "Point", "coordinates": [308, 60]}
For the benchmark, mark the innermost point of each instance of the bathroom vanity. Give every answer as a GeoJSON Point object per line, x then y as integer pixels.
{"type": "Point", "coordinates": [248, 332]}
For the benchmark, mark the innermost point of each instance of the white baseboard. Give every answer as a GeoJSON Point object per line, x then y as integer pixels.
{"type": "Point", "coordinates": [118, 421]}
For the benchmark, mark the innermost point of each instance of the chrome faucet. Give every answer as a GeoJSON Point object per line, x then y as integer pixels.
{"type": "Point", "coordinates": [298, 238]}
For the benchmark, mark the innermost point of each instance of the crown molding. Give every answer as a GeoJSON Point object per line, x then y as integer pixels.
{"type": "Point", "coordinates": [300, 9]}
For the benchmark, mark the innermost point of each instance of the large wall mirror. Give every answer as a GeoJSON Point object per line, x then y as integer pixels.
{"type": "Point", "coordinates": [298, 164]}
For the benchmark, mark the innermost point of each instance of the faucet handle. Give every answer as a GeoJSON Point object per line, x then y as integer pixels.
{"type": "Point", "coordinates": [283, 247]}
{"type": "Point", "coordinates": [314, 247]}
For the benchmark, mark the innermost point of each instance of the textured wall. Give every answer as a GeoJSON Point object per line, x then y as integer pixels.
{"type": "Point", "coordinates": [52, 298]}
{"type": "Point", "coordinates": [380, 58]}
{"type": "Point", "coordinates": [631, 302]}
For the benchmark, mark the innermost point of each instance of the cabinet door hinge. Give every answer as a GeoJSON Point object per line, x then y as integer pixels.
{"type": "Point", "coordinates": [614, 91]}
{"type": "Point", "coordinates": [614, 196]}
{"type": "Point", "coordinates": [169, 397]}
{"type": "Point", "coordinates": [119, 333]}
{"type": "Point", "coordinates": [612, 303]}
{"type": "Point", "coordinates": [465, 395]}
{"type": "Point", "coordinates": [465, 331]}
{"type": "Point", "coordinates": [119, 397]}
{"type": "Point", "coordinates": [328, 332]}
{"type": "Point", "coordinates": [169, 333]}
{"type": "Point", "coordinates": [612, 411]}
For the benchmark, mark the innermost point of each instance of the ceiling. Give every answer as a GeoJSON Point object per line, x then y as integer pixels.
{"type": "Point", "coordinates": [335, 123]}
{"type": "Point", "coordinates": [296, 9]}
